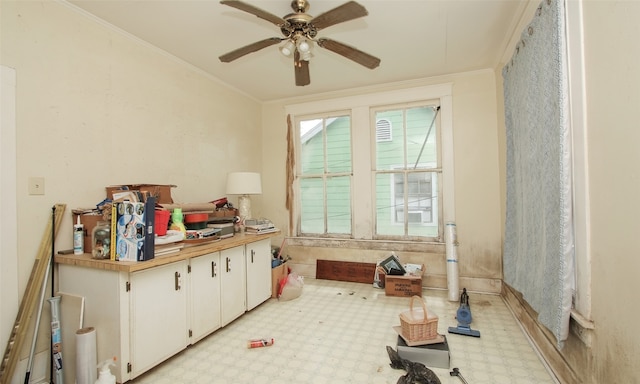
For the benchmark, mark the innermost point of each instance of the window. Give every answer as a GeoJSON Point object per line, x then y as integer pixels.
{"type": "Point", "coordinates": [406, 172]}
{"type": "Point", "coordinates": [374, 167]}
{"type": "Point", "coordinates": [325, 175]}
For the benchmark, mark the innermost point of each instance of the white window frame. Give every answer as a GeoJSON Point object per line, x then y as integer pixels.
{"type": "Point", "coordinates": [362, 183]}
{"type": "Point", "coordinates": [582, 213]}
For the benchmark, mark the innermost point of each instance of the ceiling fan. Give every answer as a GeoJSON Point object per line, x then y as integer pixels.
{"type": "Point", "coordinates": [300, 30]}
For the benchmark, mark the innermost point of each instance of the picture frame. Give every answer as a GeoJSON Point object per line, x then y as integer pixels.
{"type": "Point", "coordinates": [392, 266]}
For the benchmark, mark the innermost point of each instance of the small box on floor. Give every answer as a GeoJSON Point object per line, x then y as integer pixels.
{"type": "Point", "coordinates": [405, 286]}
{"type": "Point", "coordinates": [431, 355]}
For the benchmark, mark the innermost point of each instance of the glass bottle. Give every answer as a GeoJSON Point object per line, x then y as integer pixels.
{"type": "Point", "coordinates": [101, 240]}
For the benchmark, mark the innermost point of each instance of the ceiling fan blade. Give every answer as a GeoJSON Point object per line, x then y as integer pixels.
{"type": "Point", "coordinates": [258, 45]}
{"type": "Point", "coordinates": [301, 69]}
{"type": "Point", "coordinates": [345, 12]}
{"type": "Point", "coordinates": [350, 53]}
{"type": "Point", "coordinates": [279, 21]}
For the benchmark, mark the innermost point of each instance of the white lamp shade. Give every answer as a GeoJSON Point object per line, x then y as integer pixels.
{"type": "Point", "coordinates": [244, 183]}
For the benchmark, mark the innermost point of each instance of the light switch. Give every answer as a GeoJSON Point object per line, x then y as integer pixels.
{"type": "Point", "coordinates": [36, 185]}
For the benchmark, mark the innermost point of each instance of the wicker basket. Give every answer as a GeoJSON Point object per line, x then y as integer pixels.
{"type": "Point", "coordinates": [418, 325]}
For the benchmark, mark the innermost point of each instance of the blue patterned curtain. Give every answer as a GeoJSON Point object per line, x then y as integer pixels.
{"type": "Point", "coordinates": [538, 249]}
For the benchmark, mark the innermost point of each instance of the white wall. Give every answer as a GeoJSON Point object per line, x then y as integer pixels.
{"type": "Point", "coordinates": [95, 107]}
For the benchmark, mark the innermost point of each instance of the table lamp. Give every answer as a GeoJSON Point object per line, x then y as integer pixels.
{"type": "Point", "coordinates": [244, 184]}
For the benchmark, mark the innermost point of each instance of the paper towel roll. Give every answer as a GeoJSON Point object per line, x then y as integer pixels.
{"type": "Point", "coordinates": [86, 358]}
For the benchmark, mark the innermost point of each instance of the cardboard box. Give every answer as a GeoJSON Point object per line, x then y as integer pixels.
{"type": "Point", "coordinates": [224, 212]}
{"type": "Point", "coordinates": [431, 355]}
{"type": "Point", "coordinates": [163, 191]}
{"type": "Point", "coordinates": [89, 221]}
{"type": "Point", "coordinates": [403, 286]}
{"type": "Point", "coordinates": [278, 273]}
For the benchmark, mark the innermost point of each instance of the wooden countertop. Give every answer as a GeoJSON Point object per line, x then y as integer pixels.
{"type": "Point", "coordinates": [189, 251]}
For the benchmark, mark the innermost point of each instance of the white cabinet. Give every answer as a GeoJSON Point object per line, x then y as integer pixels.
{"type": "Point", "coordinates": [233, 285]}
{"type": "Point", "coordinates": [258, 259]}
{"type": "Point", "coordinates": [144, 313]}
{"type": "Point", "coordinates": [159, 327]}
{"type": "Point", "coordinates": [204, 277]}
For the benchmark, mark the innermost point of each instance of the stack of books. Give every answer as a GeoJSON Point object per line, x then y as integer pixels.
{"type": "Point", "coordinates": [167, 249]}
{"type": "Point", "coordinates": [170, 243]}
{"type": "Point", "coordinates": [257, 227]}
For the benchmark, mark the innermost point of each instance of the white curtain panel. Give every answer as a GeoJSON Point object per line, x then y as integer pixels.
{"type": "Point", "coordinates": [539, 245]}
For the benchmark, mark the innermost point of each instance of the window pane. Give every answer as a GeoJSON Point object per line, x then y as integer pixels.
{"type": "Point", "coordinates": [312, 206]}
{"type": "Point", "coordinates": [388, 207]}
{"type": "Point", "coordinates": [417, 209]}
{"type": "Point", "coordinates": [420, 123]}
{"type": "Point", "coordinates": [339, 205]}
{"type": "Point", "coordinates": [339, 144]}
{"type": "Point", "coordinates": [421, 200]}
{"type": "Point", "coordinates": [312, 146]}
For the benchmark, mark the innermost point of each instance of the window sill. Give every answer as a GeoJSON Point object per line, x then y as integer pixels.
{"type": "Point", "coordinates": [582, 328]}
{"type": "Point", "coordinates": [379, 245]}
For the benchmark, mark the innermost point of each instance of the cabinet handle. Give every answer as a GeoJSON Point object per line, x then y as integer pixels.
{"type": "Point", "coordinates": [176, 277]}
{"type": "Point", "coordinates": [213, 269]}
{"type": "Point", "coordinates": [228, 266]}
{"type": "Point", "coordinates": [252, 253]}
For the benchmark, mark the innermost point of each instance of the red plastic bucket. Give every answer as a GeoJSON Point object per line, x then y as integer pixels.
{"type": "Point", "coordinates": [162, 222]}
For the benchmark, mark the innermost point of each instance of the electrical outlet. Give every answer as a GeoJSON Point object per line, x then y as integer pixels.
{"type": "Point", "coordinates": [36, 185]}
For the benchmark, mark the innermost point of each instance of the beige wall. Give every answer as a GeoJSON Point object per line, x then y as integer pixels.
{"type": "Point", "coordinates": [613, 97]}
{"type": "Point", "coordinates": [95, 108]}
{"type": "Point", "coordinates": [477, 193]}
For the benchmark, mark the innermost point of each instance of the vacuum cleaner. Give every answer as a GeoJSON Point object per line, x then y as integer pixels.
{"type": "Point", "coordinates": [464, 318]}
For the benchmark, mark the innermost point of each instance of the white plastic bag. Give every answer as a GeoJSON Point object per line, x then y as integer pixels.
{"type": "Point", "coordinates": [292, 288]}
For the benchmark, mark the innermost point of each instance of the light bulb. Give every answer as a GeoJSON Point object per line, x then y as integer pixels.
{"type": "Point", "coordinates": [287, 48]}
{"type": "Point", "coordinates": [303, 45]}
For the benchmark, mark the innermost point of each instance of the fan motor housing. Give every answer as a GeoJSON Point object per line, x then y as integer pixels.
{"type": "Point", "coordinates": [298, 23]}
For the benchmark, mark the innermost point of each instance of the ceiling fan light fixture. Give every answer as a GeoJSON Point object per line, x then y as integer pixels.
{"type": "Point", "coordinates": [306, 56]}
{"type": "Point", "coordinates": [287, 48]}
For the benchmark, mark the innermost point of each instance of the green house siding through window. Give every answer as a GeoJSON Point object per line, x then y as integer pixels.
{"type": "Point", "coordinates": [406, 173]}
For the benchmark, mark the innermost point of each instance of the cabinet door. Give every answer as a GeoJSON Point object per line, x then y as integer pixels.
{"type": "Point", "coordinates": [158, 315]}
{"type": "Point", "coordinates": [205, 295]}
{"type": "Point", "coordinates": [258, 256]}
{"type": "Point", "coordinates": [233, 286]}
{"type": "Point", "coordinates": [106, 308]}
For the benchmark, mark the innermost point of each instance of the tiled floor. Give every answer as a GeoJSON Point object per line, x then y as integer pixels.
{"type": "Point", "coordinates": [336, 332]}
